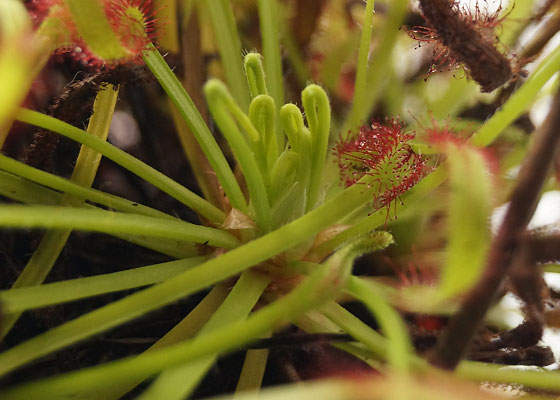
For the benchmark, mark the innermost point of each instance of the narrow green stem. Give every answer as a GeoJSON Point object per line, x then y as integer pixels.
{"type": "Point", "coordinates": [192, 82]}
{"type": "Point", "coordinates": [76, 190]}
{"type": "Point", "coordinates": [194, 120]}
{"type": "Point", "coordinates": [519, 101]}
{"type": "Point", "coordinates": [399, 347]}
{"type": "Point", "coordinates": [129, 162]}
{"type": "Point", "coordinates": [269, 17]}
{"type": "Point", "coordinates": [381, 58]}
{"type": "Point", "coordinates": [179, 382]}
{"type": "Point", "coordinates": [355, 327]}
{"type": "Point", "coordinates": [229, 46]}
{"type": "Point", "coordinates": [209, 185]}
{"type": "Point", "coordinates": [554, 268]}
{"type": "Point", "coordinates": [52, 243]}
{"type": "Point", "coordinates": [541, 379]}
{"type": "Point", "coordinates": [186, 329]}
{"type": "Point", "coordinates": [88, 159]}
{"type": "Point", "coordinates": [175, 248]}
{"type": "Point", "coordinates": [204, 275]}
{"type": "Point", "coordinates": [313, 291]}
{"type": "Point", "coordinates": [474, 371]}
{"type": "Point", "coordinates": [18, 189]}
{"type": "Point", "coordinates": [28, 298]}
{"type": "Point", "coordinates": [252, 372]}
{"type": "Point", "coordinates": [270, 30]}
{"type": "Point", "coordinates": [47, 217]}
{"type": "Point", "coordinates": [467, 369]}
{"type": "Point", "coordinates": [360, 84]}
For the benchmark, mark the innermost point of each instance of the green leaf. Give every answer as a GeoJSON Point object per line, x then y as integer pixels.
{"type": "Point", "coordinates": [92, 25]}
{"type": "Point", "coordinates": [469, 213]}
{"type": "Point", "coordinates": [179, 382]}
{"type": "Point", "coordinates": [27, 298]}
{"type": "Point", "coordinates": [96, 220]}
{"type": "Point", "coordinates": [262, 113]}
{"type": "Point", "coordinates": [229, 46]}
{"type": "Point", "coordinates": [228, 115]}
{"type": "Point", "coordinates": [15, 66]}
{"type": "Point", "coordinates": [318, 114]}
{"type": "Point", "coordinates": [124, 159]}
{"type": "Point", "coordinates": [322, 284]}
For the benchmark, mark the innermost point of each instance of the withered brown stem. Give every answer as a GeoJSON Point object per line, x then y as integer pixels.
{"type": "Point", "coordinates": [486, 65]}
{"type": "Point", "coordinates": [538, 42]}
{"type": "Point", "coordinates": [528, 283]}
{"type": "Point", "coordinates": [452, 344]}
{"type": "Point", "coordinates": [544, 249]}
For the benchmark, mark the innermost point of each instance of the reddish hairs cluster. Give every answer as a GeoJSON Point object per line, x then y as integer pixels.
{"type": "Point", "coordinates": [133, 34]}
{"type": "Point", "coordinates": [441, 135]}
{"type": "Point", "coordinates": [39, 9]}
{"type": "Point", "coordinates": [381, 151]}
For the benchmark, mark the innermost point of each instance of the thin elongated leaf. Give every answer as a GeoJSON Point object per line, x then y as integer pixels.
{"type": "Point", "coordinates": [469, 213]}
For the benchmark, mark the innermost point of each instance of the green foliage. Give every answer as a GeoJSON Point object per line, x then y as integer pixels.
{"type": "Point", "coordinates": [280, 248]}
{"type": "Point", "coordinates": [470, 205]}
{"type": "Point", "coordinates": [91, 22]}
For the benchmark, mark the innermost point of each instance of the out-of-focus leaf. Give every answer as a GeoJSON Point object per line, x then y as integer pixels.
{"type": "Point", "coordinates": [391, 387]}
{"type": "Point", "coordinates": [92, 25]}
{"type": "Point", "coordinates": [15, 67]}
{"type": "Point", "coordinates": [469, 206]}
{"type": "Point", "coordinates": [469, 213]}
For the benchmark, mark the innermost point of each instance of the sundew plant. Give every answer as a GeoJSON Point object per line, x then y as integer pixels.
{"type": "Point", "coordinates": [306, 206]}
